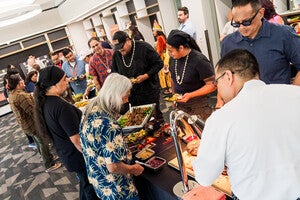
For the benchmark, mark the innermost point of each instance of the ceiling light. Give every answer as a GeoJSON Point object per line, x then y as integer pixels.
{"type": "Point", "coordinates": [21, 13]}
{"type": "Point", "coordinates": [7, 3]}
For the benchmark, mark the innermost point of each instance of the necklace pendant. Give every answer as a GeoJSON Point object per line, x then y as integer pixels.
{"type": "Point", "coordinates": [108, 71]}
{"type": "Point", "coordinates": [178, 78]}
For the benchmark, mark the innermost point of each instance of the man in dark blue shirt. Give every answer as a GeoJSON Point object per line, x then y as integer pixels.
{"type": "Point", "coordinates": [274, 46]}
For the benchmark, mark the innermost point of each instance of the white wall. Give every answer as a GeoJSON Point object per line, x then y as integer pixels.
{"type": "Point", "coordinates": [280, 6]}
{"type": "Point", "coordinates": [78, 36]}
{"type": "Point", "coordinates": [198, 20]}
{"type": "Point", "coordinates": [168, 15]}
{"type": "Point", "coordinates": [201, 15]}
{"type": "Point", "coordinates": [222, 8]}
{"type": "Point", "coordinates": [144, 25]}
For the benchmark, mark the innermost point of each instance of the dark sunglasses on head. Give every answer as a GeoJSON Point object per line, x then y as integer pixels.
{"type": "Point", "coordinates": [245, 22]}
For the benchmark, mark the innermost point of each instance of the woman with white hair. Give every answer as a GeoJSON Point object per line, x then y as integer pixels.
{"type": "Point", "coordinates": [106, 154]}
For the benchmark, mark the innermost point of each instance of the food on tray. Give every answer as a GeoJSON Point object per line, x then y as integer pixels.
{"type": "Point", "coordinates": [222, 183]}
{"type": "Point", "coordinates": [145, 154]}
{"type": "Point", "coordinates": [156, 163]}
{"type": "Point", "coordinates": [192, 147]}
{"type": "Point", "coordinates": [136, 136]}
{"type": "Point", "coordinates": [150, 140]}
{"type": "Point", "coordinates": [175, 97]}
{"type": "Point", "coordinates": [136, 117]}
{"type": "Point", "coordinates": [81, 103]}
{"type": "Point", "coordinates": [74, 79]}
{"type": "Point", "coordinates": [133, 80]}
{"type": "Point", "coordinates": [77, 97]}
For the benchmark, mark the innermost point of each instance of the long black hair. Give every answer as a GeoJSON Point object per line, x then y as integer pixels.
{"type": "Point", "coordinates": [136, 34]}
{"type": "Point", "coordinates": [39, 95]}
{"type": "Point", "coordinates": [179, 38]}
{"type": "Point", "coordinates": [29, 76]}
{"type": "Point", "coordinates": [158, 33]}
{"type": "Point", "coordinates": [270, 11]}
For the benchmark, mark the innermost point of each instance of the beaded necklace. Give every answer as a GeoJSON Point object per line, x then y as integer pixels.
{"type": "Point", "coordinates": [133, 51]}
{"type": "Point", "coordinates": [183, 72]}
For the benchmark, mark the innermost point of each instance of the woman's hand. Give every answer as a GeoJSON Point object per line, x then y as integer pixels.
{"type": "Point", "coordinates": [137, 169]}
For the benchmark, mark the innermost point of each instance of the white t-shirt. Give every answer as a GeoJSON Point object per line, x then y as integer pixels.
{"type": "Point", "coordinates": [257, 136]}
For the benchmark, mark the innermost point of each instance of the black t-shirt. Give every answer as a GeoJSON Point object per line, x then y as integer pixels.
{"type": "Point", "coordinates": [197, 69]}
{"type": "Point", "coordinates": [146, 60]}
{"type": "Point", "coordinates": [63, 120]}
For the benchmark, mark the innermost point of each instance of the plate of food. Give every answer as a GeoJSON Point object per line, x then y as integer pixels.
{"type": "Point", "coordinates": [81, 103]}
{"type": "Point", "coordinates": [136, 117]}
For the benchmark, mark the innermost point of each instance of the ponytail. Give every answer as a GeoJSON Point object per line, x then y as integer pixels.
{"type": "Point", "coordinates": [39, 95]}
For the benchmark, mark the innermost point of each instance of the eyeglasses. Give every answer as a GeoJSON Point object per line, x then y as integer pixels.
{"type": "Point", "coordinates": [245, 22]}
{"type": "Point", "coordinates": [216, 80]}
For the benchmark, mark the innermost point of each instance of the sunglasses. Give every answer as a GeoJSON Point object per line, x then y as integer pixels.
{"type": "Point", "coordinates": [245, 22]}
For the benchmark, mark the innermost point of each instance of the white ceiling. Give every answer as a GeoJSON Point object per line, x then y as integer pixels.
{"type": "Point", "coordinates": [55, 13]}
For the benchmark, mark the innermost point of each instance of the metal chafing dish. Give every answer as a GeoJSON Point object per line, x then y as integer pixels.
{"type": "Point", "coordinates": [129, 129]}
{"type": "Point", "coordinates": [182, 124]}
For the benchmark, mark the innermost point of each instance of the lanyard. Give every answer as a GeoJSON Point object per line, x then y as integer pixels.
{"type": "Point", "coordinates": [73, 70]}
{"type": "Point", "coordinates": [108, 70]}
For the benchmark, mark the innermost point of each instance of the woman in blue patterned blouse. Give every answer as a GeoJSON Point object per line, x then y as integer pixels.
{"type": "Point", "coordinates": [106, 154]}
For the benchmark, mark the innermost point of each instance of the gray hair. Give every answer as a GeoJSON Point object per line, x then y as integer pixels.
{"type": "Point", "coordinates": [110, 96]}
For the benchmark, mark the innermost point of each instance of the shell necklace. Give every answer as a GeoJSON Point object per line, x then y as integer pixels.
{"type": "Point", "coordinates": [183, 72]}
{"type": "Point", "coordinates": [133, 51]}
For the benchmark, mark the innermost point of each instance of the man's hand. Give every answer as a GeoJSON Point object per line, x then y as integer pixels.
{"type": "Point", "coordinates": [81, 77]}
{"type": "Point", "coordinates": [142, 78]}
{"type": "Point", "coordinates": [184, 98]}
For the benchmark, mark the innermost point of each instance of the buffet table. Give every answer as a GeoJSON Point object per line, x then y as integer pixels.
{"type": "Point", "coordinates": [159, 185]}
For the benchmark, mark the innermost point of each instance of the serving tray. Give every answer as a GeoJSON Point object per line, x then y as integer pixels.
{"type": "Point", "coordinates": [221, 183]}
{"type": "Point", "coordinates": [129, 129]}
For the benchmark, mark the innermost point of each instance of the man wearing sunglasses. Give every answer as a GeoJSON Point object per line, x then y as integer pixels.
{"type": "Point", "coordinates": [274, 46]}
{"type": "Point", "coordinates": [253, 135]}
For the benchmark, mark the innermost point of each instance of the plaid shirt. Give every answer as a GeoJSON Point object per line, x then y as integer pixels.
{"type": "Point", "coordinates": [98, 65]}
{"type": "Point", "coordinates": [21, 104]}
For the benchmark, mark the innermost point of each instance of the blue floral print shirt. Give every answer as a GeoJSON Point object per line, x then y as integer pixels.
{"type": "Point", "coordinates": [102, 143]}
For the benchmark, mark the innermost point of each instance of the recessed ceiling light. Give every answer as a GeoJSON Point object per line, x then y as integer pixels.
{"type": "Point", "coordinates": [7, 3]}
{"type": "Point", "coordinates": [19, 14]}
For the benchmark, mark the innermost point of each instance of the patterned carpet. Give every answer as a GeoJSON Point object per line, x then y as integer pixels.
{"type": "Point", "coordinates": [22, 175]}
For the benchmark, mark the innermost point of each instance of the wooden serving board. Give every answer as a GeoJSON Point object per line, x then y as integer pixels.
{"type": "Point", "coordinates": [221, 183]}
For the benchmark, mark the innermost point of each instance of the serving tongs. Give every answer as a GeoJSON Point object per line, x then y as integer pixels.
{"type": "Point", "coordinates": [141, 163]}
